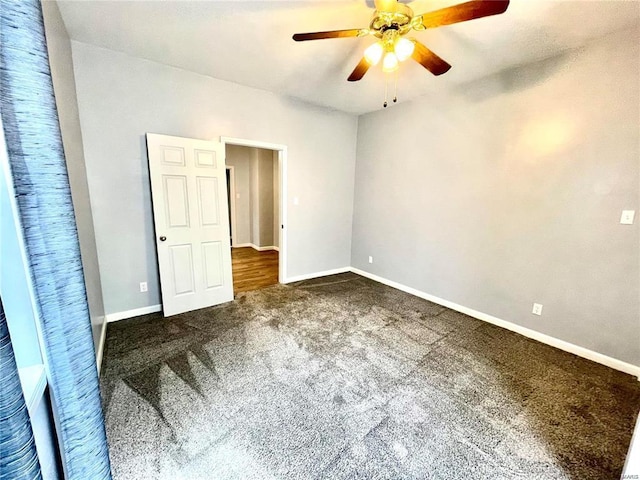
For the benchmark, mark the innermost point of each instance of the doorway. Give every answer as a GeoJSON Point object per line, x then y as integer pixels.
{"type": "Point", "coordinates": [256, 173]}
{"type": "Point", "coordinates": [231, 201]}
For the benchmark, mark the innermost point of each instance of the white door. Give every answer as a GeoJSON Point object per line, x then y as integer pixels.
{"type": "Point", "coordinates": [189, 196]}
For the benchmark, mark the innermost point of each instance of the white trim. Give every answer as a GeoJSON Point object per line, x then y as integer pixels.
{"type": "Point", "coordinates": [263, 249]}
{"type": "Point", "coordinates": [308, 276]}
{"type": "Point", "coordinates": [282, 170]}
{"type": "Point", "coordinates": [232, 203]}
{"type": "Point", "coordinates": [527, 332]}
{"type": "Point", "coordinates": [284, 226]}
{"type": "Point", "coordinates": [100, 350]}
{"type": "Point", "coordinates": [256, 247]}
{"type": "Point", "coordinates": [252, 143]}
{"type": "Point", "coordinates": [114, 317]}
{"type": "Point", "coordinates": [632, 463]}
{"type": "Point", "coordinates": [33, 380]}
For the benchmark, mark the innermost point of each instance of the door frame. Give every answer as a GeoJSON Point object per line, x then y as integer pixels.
{"type": "Point", "coordinates": [282, 172]}
{"type": "Point", "coordinates": [232, 202]}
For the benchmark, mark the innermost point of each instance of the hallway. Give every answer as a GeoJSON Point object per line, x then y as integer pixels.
{"type": "Point", "coordinates": [253, 269]}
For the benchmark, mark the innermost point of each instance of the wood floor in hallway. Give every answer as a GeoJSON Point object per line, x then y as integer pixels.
{"type": "Point", "coordinates": [253, 269]}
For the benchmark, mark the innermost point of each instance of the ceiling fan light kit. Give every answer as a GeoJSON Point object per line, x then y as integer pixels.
{"type": "Point", "coordinates": [392, 21]}
{"type": "Point", "coordinates": [374, 53]}
{"type": "Point", "coordinates": [404, 48]}
{"type": "Point", "coordinates": [394, 49]}
{"type": "Point", "coordinates": [390, 62]}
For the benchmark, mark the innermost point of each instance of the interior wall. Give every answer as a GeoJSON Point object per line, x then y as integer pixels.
{"type": "Point", "coordinates": [120, 98]}
{"type": "Point", "coordinates": [60, 60]}
{"type": "Point", "coordinates": [265, 192]}
{"type": "Point", "coordinates": [509, 191]}
{"type": "Point", "coordinates": [276, 200]}
{"type": "Point", "coordinates": [254, 183]}
{"type": "Point", "coordinates": [238, 158]}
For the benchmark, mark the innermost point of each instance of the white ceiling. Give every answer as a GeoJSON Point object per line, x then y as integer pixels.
{"type": "Point", "coordinates": [250, 42]}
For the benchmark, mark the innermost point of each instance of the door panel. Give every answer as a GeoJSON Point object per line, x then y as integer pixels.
{"type": "Point", "coordinates": [205, 158]}
{"type": "Point", "coordinates": [188, 191]}
{"type": "Point", "coordinates": [173, 156]}
{"type": "Point", "coordinates": [176, 200]}
{"type": "Point", "coordinates": [212, 255]}
{"type": "Point", "coordinates": [182, 269]}
{"type": "Point", "coordinates": [208, 203]}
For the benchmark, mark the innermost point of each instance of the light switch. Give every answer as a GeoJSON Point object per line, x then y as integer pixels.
{"type": "Point", "coordinates": [296, 201]}
{"type": "Point", "coordinates": [627, 217]}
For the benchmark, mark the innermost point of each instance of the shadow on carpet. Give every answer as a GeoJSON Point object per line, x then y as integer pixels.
{"type": "Point", "coordinates": [344, 378]}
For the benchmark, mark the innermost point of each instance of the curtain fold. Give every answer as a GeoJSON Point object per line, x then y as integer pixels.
{"type": "Point", "coordinates": [41, 184]}
{"type": "Point", "coordinates": [18, 457]}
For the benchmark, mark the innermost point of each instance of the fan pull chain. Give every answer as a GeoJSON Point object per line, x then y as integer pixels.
{"type": "Point", "coordinates": [386, 84]}
{"type": "Point", "coordinates": [395, 89]}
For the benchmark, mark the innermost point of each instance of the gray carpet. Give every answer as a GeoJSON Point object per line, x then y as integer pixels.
{"type": "Point", "coordinates": [344, 378]}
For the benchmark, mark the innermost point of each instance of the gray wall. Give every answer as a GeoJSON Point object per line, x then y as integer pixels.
{"type": "Point", "coordinates": [276, 201]}
{"type": "Point", "coordinates": [238, 157]}
{"type": "Point", "coordinates": [254, 183]}
{"type": "Point", "coordinates": [120, 98]}
{"type": "Point", "coordinates": [265, 193]}
{"type": "Point", "coordinates": [253, 171]}
{"type": "Point", "coordinates": [60, 59]}
{"type": "Point", "coordinates": [510, 191]}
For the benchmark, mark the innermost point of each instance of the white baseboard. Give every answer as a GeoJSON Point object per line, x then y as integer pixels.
{"type": "Point", "coordinates": [256, 247]}
{"type": "Point", "coordinates": [632, 463]}
{"type": "Point", "coordinates": [100, 351]}
{"type": "Point", "coordinates": [114, 317]}
{"type": "Point", "coordinates": [263, 249]}
{"type": "Point", "coordinates": [527, 332]}
{"type": "Point", "coordinates": [307, 276]}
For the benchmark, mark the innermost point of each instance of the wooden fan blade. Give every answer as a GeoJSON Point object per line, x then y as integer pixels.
{"type": "Point", "coordinates": [301, 37]}
{"type": "Point", "coordinates": [429, 60]}
{"type": "Point", "coordinates": [359, 71]}
{"type": "Point", "coordinates": [464, 12]}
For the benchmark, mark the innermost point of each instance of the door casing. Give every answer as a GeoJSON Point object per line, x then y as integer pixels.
{"type": "Point", "coordinates": [282, 172]}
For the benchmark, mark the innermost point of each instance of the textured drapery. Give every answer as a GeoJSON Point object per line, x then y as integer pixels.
{"type": "Point", "coordinates": [39, 173]}
{"type": "Point", "coordinates": [18, 458]}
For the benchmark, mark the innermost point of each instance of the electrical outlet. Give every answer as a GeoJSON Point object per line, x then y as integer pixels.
{"type": "Point", "coordinates": [143, 287]}
{"type": "Point", "coordinates": [537, 309]}
{"type": "Point", "coordinates": [370, 259]}
{"type": "Point", "coordinates": [627, 217]}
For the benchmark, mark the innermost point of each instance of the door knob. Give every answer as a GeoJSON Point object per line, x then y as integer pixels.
{"type": "Point", "coordinates": [163, 238]}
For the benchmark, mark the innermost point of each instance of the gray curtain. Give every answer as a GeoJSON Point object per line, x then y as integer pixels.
{"type": "Point", "coordinates": [39, 174]}
{"type": "Point", "coordinates": [18, 458]}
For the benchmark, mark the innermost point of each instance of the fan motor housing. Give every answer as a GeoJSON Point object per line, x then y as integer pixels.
{"type": "Point", "coordinates": [400, 20]}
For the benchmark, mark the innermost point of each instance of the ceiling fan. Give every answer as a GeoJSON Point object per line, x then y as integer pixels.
{"type": "Point", "coordinates": [393, 20]}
